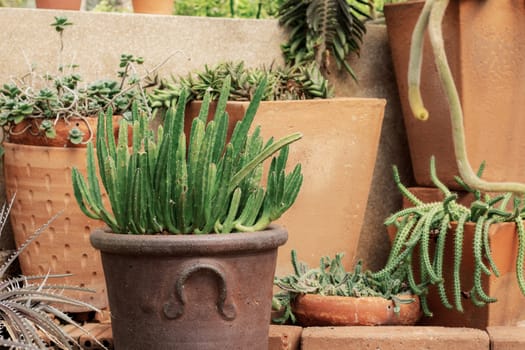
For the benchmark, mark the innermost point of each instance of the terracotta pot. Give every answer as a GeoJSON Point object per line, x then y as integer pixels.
{"type": "Point", "coordinates": [41, 179]}
{"type": "Point", "coordinates": [190, 291]}
{"type": "Point", "coordinates": [159, 7]}
{"type": "Point", "coordinates": [510, 307]}
{"type": "Point", "coordinates": [485, 41]}
{"type": "Point", "coordinates": [314, 310]}
{"type": "Point", "coordinates": [58, 4]}
{"type": "Point", "coordinates": [28, 133]}
{"type": "Point", "coordinates": [340, 141]}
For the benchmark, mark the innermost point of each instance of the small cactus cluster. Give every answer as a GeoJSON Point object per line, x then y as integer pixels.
{"type": "Point", "coordinates": [166, 183]}
{"type": "Point", "coordinates": [418, 225]}
{"type": "Point", "coordinates": [331, 279]}
{"type": "Point", "coordinates": [283, 83]}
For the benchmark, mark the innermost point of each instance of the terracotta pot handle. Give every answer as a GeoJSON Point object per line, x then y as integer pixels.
{"type": "Point", "coordinates": [175, 308]}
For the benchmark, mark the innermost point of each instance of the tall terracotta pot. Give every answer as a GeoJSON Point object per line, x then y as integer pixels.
{"type": "Point", "coordinates": [190, 291]}
{"type": "Point", "coordinates": [340, 142]}
{"type": "Point", "coordinates": [58, 4]}
{"type": "Point", "coordinates": [485, 41]}
{"type": "Point", "coordinates": [41, 179]}
{"type": "Point", "coordinates": [158, 7]}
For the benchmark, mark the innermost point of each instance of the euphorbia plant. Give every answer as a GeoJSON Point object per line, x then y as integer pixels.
{"type": "Point", "coordinates": [166, 183]}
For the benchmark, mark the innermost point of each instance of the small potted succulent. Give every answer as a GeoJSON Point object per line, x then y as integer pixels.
{"type": "Point", "coordinates": [331, 296]}
{"type": "Point", "coordinates": [181, 272]}
{"type": "Point", "coordinates": [47, 119]}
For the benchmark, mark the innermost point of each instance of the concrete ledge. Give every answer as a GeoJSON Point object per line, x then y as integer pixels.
{"type": "Point", "coordinates": [284, 337]}
{"type": "Point", "coordinates": [394, 338]}
{"type": "Point", "coordinates": [506, 338]}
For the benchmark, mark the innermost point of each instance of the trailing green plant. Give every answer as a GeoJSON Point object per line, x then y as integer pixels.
{"type": "Point", "coordinates": [29, 305]}
{"type": "Point", "coordinates": [423, 223]}
{"type": "Point", "coordinates": [331, 279]}
{"type": "Point", "coordinates": [283, 83]}
{"type": "Point", "coordinates": [200, 185]}
{"type": "Point", "coordinates": [323, 31]}
{"type": "Point", "coordinates": [49, 97]}
{"type": "Point", "coordinates": [431, 20]}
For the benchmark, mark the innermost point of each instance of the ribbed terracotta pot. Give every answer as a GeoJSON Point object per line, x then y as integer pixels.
{"type": "Point", "coordinates": [158, 7]}
{"type": "Point", "coordinates": [190, 291]}
{"type": "Point", "coordinates": [313, 310]}
{"type": "Point", "coordinates": [510, 307]}
{"type": "Point", "coordinates": [485, 41]}
{"type": "Point", "coordinates": [41, 179]}
{"type": "Point", "coordinates": [338, 154]}
{"type": "Point", "coordinates": [58, 4]}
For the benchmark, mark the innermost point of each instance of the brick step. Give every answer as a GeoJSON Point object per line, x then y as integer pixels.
{"type": "Point", "coordinates": [365, 337]}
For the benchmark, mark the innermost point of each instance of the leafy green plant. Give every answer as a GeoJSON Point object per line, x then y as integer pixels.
{"type": "Point", "coordinates": [46, 98]}
{"type": "Point", "coordinates": [29, 305]}
{"type": "Point", "coordinates": [423, 223]}
{"type": "Point", "coordinates": [283, 83]}
{"type": "Point", "coordinates": [323, 30]}
{"type": "Point", "coordinates": [331, 278]}
{"type": "Point", "coordinates": [160, 184]}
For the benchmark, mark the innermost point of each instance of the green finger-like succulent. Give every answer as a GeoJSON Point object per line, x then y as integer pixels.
{"type": "Point", "coordinates": [197, 183]}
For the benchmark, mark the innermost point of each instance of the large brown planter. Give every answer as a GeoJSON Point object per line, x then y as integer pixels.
{"type": "Point", "coordinates": [190, 291]}
{"type": "Point", "coordinates": [58, 4]}
{"type": "Point", "coordinates": [314, 310]}
{"type": "Point", "coordinates": [41, 179]}
{"type": "Point", "coordinates": [510, 307]}
{"type": "Point", "coordinates": [485, 41]}
{"type": "Point", "coordinates": [338, 153]}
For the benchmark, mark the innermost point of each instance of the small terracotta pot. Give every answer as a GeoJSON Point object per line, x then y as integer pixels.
{"type": "Point", "coordinates": [158, 7]}
{"type": "Point", "coordinates": [318, 310]}
{"type": "Point", "coordinates": [28, 133]}
{"type": "Point", "coordinates": [58, 4]}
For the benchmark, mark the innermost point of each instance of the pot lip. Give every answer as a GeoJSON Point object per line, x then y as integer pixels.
{"type": "Point", "coordinates": [334, 298]}
{"type": "Point", "coordinates": [13, 145]}
{"type": "Point", "coordinates": [128, 244]}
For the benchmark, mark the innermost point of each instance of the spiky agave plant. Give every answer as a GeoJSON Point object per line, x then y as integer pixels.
{"type": "Point", "coordinates": [29, 305]}
{"type": "Point", "coordinates": [213, 185]}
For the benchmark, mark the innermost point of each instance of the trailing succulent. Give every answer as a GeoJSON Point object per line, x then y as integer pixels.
{"type": "Point", "coordinates": [283, 83]}
{"type": "Point", "coordinates": [49, 97]}
{"type": "Point", "coordinates": [28, 305]}
{"type": "Point", "coordinates": [200, 184]}
{"type": "Point", "coordinates": [423, 223]}
{"type": "Point", "coordinates": [330, 279]}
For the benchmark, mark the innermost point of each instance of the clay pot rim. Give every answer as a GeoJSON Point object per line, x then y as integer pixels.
{"type": "Point", "coordinates": [190, 244]}
{"type": "Point", "coordinates": [13, 145]}
{"type": "Point", "coordinates": [312, 297]}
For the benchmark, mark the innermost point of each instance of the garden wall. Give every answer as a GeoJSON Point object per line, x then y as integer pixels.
{"type": "Point", "coordinates": [96, 41]}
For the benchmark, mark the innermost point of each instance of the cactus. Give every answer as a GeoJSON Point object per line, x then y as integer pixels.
{"type": "Point", "coordinates": [204, 185]}
{"type": "Point", "coordinates": [417, 225]}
